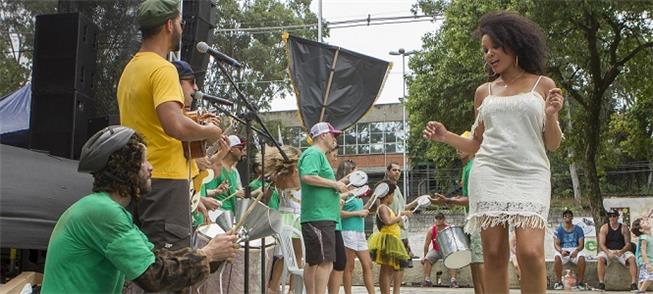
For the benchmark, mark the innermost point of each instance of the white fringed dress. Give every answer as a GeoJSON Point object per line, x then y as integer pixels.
{"type": "Point", "coordinates": [510, 181]}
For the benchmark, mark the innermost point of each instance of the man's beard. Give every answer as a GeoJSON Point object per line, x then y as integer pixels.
{"type": "Point", "coordinates": [144, 186]}
{"type": "Point", "coordinates": [176, 39]}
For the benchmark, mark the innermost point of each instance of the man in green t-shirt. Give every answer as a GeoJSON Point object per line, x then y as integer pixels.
{"type": "Point", "coordinates": [225, 187]}
{"type": "Point", "coordinates": [320, 207]}
{"type": "Point", "coordinates": [95, 245]}
{"type": "Point", "coordinates": [463, 200]}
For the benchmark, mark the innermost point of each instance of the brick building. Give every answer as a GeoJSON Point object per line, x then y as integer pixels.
{"type": "Point", "coordinates": [372, 143]}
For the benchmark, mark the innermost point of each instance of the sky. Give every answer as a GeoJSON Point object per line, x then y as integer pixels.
{"type": "Point", "coordinates": [376, 41]}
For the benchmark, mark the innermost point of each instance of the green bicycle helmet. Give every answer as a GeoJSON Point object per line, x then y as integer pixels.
{"type": "Point", "coordinates": [96, 151]}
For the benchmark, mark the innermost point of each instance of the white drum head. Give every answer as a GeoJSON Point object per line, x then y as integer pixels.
{"type": "Point", "coordinates": [458, 259]}
{"type": "Point", "coordinates": [423, 200]}
{"type": "Point", "coordinates": [361, 191]}
{"type": "Point", "coordinates": [358, 178]}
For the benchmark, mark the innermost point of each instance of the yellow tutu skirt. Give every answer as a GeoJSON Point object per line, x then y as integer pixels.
{"type": "Point", "coordinates": [387, 249]}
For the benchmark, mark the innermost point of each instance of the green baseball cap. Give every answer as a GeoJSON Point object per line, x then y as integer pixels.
{"type": "Point", "coordinates": [153, 13]}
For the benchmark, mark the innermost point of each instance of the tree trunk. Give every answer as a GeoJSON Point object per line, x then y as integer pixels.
{"type": "Point", "coordinates": [573, 171]}
{"type": "Point", "coordinates": [593, 137]}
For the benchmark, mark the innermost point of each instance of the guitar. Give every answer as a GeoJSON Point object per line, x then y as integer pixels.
{"type": "Point", "coordinates": [194, 149]}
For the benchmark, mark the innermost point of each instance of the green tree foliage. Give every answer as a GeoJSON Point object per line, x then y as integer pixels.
{"type": "Point", "coordinates": [263, 54]}
{"type": "Point", "coordinates": [17, 27]}
{"type": "Point", "coordinates": [600, 55]}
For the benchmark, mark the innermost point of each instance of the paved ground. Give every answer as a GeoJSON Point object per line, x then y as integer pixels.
{"type": "Point", "coordinates": [413, 290]}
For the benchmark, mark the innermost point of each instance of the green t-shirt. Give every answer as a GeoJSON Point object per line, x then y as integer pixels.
{"type": "Point", "coordinates": [465, 179]}
{"type": "Point", "coordinates": [274, 199]}
{"type": "Point", "coordinates": [318, 203]}
{"type": "Point", "coordinates": [231, 176]}
{"type": "Point", "coordinates": [353, 223]}
{"type": "Point", "coordinates": [94, 247]}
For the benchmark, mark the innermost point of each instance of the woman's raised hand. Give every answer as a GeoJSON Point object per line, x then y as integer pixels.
{"type": "Point", "coordinates": [554, 101]}
{"type": "Point", "coordinates": [435, 131]}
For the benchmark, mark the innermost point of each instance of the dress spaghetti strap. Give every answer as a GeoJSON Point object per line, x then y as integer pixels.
{"type": "Point", "coordinates": [489, 88]}
{"type": "Point", "coordinates": [536, 83]}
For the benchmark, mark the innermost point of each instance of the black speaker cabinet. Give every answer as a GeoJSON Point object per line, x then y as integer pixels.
{"type": "Point", "coordinates": [200, 18]}
{"type": "Point", "coordinates": [59, 122]}
{"type": "Point", "coordinates": [65, 52]}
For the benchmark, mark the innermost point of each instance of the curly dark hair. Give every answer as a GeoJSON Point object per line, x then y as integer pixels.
{"type": "Point", "coordinates": [636, 227]}
{"type": "Point", "coordinates": [517, 34]}
{"type": "Point", "coordinates": [120, 175]}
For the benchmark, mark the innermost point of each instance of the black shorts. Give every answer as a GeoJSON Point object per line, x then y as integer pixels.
{"type": "Point", "coordinates": [341, 256]}
{"type": "Point", "coordinates": [164, 214]}
{"type": "Point", "coordinates": [319, 241]}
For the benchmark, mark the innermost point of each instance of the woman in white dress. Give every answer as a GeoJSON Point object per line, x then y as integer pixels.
{"type": "Point", "coordinates": [516, 122]}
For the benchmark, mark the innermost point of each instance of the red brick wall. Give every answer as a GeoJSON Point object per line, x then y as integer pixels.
{"type": "Point", "coordinates": [373, 161]}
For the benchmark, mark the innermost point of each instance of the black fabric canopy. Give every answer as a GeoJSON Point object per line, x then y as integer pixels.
{"type": "Point", "coordinates": [333, 84]}
{"type": "Point", "coordinates": [35, 189]}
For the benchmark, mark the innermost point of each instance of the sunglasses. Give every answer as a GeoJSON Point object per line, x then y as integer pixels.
{"type": "Point", "coordinates": [612, 215]}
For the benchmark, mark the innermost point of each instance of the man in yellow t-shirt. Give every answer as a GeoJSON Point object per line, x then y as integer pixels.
{"type": "Point", "coordinates": [151, 101]}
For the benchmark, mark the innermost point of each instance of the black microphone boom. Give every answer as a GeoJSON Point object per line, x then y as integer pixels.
{"type": "Point", "coordinates": [204, 48]}
{"type": "Point", "coordinates": [217, 100]}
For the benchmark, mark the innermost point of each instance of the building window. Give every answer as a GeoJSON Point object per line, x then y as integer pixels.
{"type": "Point", "coordinates": [360, 139]}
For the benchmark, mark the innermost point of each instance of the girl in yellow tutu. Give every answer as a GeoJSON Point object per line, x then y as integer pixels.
{"type": "Point", "coordinates": [385, 246]}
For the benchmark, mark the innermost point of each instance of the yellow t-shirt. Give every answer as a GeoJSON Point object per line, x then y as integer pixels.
{"type": "Point", "coordinates": [147, 81]}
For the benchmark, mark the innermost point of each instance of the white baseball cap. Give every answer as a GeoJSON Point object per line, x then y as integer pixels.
{"type": "Point", "coordinates": [322, 128]}
{"type": "Point", "coordinates": [235, 141]}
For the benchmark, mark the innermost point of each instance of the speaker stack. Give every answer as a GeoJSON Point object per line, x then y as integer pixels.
{"type": "Point", "coordinates": [200, 17]}
{"type": "Point", "coordinates": [63, 93]}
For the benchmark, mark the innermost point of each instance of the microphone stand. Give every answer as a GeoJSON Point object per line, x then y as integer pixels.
{"type": "Point", "coordinates": [248, 117]}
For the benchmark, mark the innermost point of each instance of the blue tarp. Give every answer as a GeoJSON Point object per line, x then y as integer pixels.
{"type": "Point", "coordinates": [15, 110]}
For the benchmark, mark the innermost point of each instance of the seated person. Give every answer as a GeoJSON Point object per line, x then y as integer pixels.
{"type": "Point", "coordinates": [614, 244]}
{"type": "Point", "coordinates": [95, 245]}
{"type": "Point", "coordinates": [569, 243]}
{"type": "Point", "coordinates": [513, 253]}
{"type": "Point", "coordinates": [435, 254]}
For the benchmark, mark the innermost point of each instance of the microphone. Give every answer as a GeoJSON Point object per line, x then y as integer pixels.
{"type": "Point", "coordinates": [199, 95]}
{"type": "Point", "coordinates": [202, 47]}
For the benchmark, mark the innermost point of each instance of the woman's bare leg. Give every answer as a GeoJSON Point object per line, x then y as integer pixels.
{"type": "Point", "coordinates": [530, 256]}
{"type": "Point", "coordinates": [495, 254]}
{"type": "Point", "coordinates": [366, 265]}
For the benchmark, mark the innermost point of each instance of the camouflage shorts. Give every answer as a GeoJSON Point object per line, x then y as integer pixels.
{"type": "Point", "coordinates": [476, 247]}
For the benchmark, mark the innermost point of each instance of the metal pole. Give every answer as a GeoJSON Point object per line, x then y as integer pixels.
{"type": "Point", "coordinates": [319, 20]}
{"type": "Point", "coordinates": [403, 121]}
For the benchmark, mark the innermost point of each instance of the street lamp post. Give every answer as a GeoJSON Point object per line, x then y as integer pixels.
{"type": "Point", "coordinates": [402, 99]}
